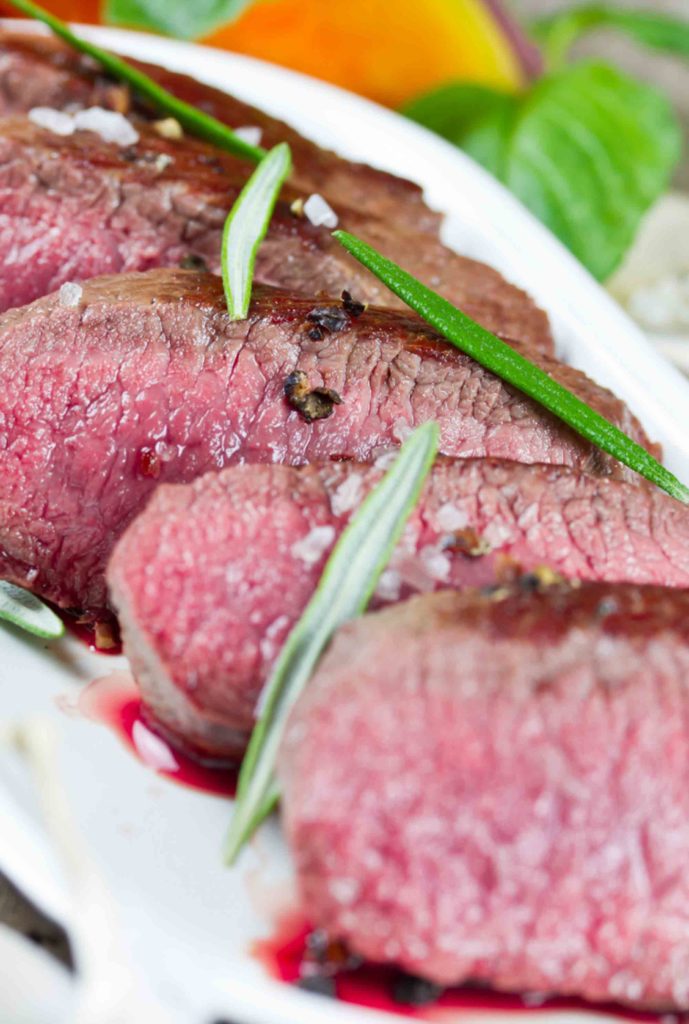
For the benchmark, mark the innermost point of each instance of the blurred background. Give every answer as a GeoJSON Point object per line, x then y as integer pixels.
{"type": "Point", "coordinates": [484, 73]}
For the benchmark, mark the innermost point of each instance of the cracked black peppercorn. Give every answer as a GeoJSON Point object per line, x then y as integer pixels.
{"type": "Point", "coordinates": [312, 403]}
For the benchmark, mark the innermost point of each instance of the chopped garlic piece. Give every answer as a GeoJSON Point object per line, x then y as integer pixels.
{"type": "Point", "coordinates": [319, 212]}
{"type": "Point", "coordinates": [169, 128]}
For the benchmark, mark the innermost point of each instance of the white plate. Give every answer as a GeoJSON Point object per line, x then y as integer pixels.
{"type": "Point", "coordinates": [188, 921]}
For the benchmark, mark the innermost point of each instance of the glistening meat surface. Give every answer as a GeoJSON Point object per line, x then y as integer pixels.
{"type": "Point", "coordinates": [36, 70]}
{"type": "Point", "coordinates": [146, 381]}
{"type": "Point", "coordinates": [74, 207]}
{"type": "Point", "coordinates": [211, 577]}
{"type": "Point", "coordinates": [496, 790]}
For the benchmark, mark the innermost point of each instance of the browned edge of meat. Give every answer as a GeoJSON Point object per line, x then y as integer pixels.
{"type": "Point", "coordinates": [39, 70]}
{"type": "Point", "coordinates": [142, 379]}
{"type": "Point", "coordinates": [211, 578]}
{"type": "Point", "coordinates": [75, 207]}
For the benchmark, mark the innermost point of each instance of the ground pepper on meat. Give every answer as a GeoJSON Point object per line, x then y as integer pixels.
{"type": "Point", "coordinates": [468, 543]}
{"type": "Point", "coordinates": [193, 262]}
{"type": "Point", "coordinates": [351, 306]}
{"type": "Point", "coordinates": [326, 320]}
{"type": "Point", "coordinates": [312, 403]}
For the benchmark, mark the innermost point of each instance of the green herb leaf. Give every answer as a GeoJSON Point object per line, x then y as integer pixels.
{"type": "Point", "coordinates": [588, 150]}
{"type": "Point", "coordinates": [24, 610]}
{"type": "Point", "coordinates": [508, 364]}
{"type": "Point", "coordinates": [557, 32]}
{"type": "Point", "coordinates": [246, 226]}
{"type": "Point", "coordinates": [345, 588]}
{"type": "Point", "coordinates": [476, 118]}
{"type": "Point", "coordinates": [174, 17]}
{"type": "Point", "coordinates": [191, 118]}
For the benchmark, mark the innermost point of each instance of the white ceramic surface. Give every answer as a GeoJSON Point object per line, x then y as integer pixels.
{"type": "Point", "coordinates": [188, 922]}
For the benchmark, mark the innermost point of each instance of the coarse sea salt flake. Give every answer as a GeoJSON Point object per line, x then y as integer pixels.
{"type": "Point", "coordinates": [70, 294]}
{"type": "Point", "coordinates": [344, 890]}
{"type": "Point", "coordinates": [347, 496]}
{"type": "Point", "coordinates": [401, 430]}
{"type": "Point", "coordinates": [162, 162]}
{"type": "Point", "coordinates": [311, 547]}
{"type": "Point", "coordinates": [320, 213]}
{"type": "Point", "coordinates": [250, 133]}
{"type": "Point", "coordinates": [436, 563]}
{"type": "Point", "coordinates": [55, 121]}
{"type": "Point", "coordinates": [449, 517]}
{"type": "Point", "coordinates": [389, 586]}
{"type": "Point", "coordinates": [111, 126]}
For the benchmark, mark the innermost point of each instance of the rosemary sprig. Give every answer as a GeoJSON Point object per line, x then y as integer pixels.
{"type": "Point", "coordinates": [22, 609]}
{"type": "Point", "coordinates": [497, 356]}
{"type": "Point", "coordinates": [344, 590]}
{"type": "Point", "coordinates": [193, 120]}
{"type": "Point", "coordinates": [246, 226]}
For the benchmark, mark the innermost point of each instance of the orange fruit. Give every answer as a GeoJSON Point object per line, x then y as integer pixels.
{"type": "Point", "coordinates": [87, 11]}
{"type": "Point", "coordinates": [388, 50]}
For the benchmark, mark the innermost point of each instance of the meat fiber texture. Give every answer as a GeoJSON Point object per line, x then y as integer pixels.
{"type": "Point", "coordinates": [496, 790]}
{"type": "Point", "coordinates": [210, 579]}
{"type": "Point", "coordinates": [143, 379]}
{"type": "Point", "coordinates": [40, 71]}
{"type": "Point", "coordinates": [73, 207]}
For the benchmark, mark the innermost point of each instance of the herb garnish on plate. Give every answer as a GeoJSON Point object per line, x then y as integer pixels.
{"type": "Point", "coordinates": [22, 609]}
{"type": "Point", "coordinates": [345, 588]}
{"type": "Point", "coordinates": [246, 226]}
{"type": "Point", "coordinates": [512, 367]}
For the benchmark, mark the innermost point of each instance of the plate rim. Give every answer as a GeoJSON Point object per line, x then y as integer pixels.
{"type": "Point", "coordinates": [302, 1008]}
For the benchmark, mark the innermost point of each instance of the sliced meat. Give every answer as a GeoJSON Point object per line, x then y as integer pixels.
{"type": "Point", "coordinates": [496, 790]}
{"type": "Point", "coordinates": [74, 207]}
{"type": "Point", "coordinates": [38, 70]}
{"type": "Point", "coordinates": [145, 380]}
{"type": "Point", "coordinates": [210, 579]}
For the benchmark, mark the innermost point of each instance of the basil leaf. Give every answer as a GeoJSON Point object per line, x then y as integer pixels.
{"type": "Point", "coordinates": [557, 32]}
{"type": "Point", "coordinates": [23, 609]}
{"type": "Point", "coordinates": [474, 117]}
{"type": "Point", "coordinates": [587, 149]}
{"type": "Point", "coordinates": [174, 17]}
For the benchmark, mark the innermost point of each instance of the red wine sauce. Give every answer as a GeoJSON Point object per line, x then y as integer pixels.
{"type": "Point", "coordinates": [114, 701]}
{"type": "Point", "coordinates": [284, 954]}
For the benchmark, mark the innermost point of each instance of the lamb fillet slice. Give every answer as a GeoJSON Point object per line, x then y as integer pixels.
{"type": "Point", "coordinates": [148, 381]}
{"type": "Point", "coordinates": [38, 71]}
{"type": "Point", "coordinates": [76, 207]}
{"type": "Point", "coordinates": [495, 790]}
{"type": "Point", "coordinates": [209, 580]}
